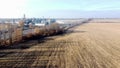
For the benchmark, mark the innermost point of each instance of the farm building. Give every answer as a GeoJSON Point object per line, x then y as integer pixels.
{"type": "Point", "coordinates": [39, 22]}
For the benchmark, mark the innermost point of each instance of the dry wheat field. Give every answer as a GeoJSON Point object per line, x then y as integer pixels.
{"type": "Point", "coordinates": [91, 45]}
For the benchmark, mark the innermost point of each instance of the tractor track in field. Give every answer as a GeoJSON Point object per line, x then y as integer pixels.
{"type": "Point", "coordinates": [86, 46]}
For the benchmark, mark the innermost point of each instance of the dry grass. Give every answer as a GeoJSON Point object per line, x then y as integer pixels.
{"type": "Point", "coordinates": [92, 45]}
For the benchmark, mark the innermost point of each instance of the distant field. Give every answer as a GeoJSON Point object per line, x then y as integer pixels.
{"type": "Point", "coordinates": [105, 20]}
{"type": "Point", "coordinates": [91, 45]}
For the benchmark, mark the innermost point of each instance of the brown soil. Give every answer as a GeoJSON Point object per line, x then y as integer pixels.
{"type": "Point", "coordinates": [92, 45]}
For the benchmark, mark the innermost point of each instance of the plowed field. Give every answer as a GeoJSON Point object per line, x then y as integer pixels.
{"type": "Point", "coordinates": [91, 45]}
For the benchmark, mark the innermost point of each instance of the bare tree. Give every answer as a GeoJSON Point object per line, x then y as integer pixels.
{"type": "Point", "coordinates": [21, 24]}
{"type": "Point", "coordinates": [0, 34]}
{"type": "Point", "coordinates": [10, 30]}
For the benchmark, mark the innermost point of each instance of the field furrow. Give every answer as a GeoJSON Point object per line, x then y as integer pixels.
{"type": "Point", "coordinates": [91, 45]}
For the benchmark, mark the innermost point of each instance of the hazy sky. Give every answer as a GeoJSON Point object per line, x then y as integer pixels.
{"type": "Point", "coordinates": [59, 8]}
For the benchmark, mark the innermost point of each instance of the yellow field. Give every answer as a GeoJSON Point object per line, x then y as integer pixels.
{"type": "Point", "coordinates": [95, 45]}
{"type": "Point", "coordinates": [91, 45]}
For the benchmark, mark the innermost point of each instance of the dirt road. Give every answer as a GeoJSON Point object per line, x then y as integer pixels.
{"type": "Point", "coordinates": [92, 45]}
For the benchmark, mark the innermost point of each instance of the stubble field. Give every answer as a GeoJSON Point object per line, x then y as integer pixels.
{"type": "Point", "coordinates": [91, 45]}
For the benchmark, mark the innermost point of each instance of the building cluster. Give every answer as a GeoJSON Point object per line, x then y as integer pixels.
{"type": "Point", "coordinates": [38, 22]}
{"type": "Point", "coordinates": [29, 21]}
